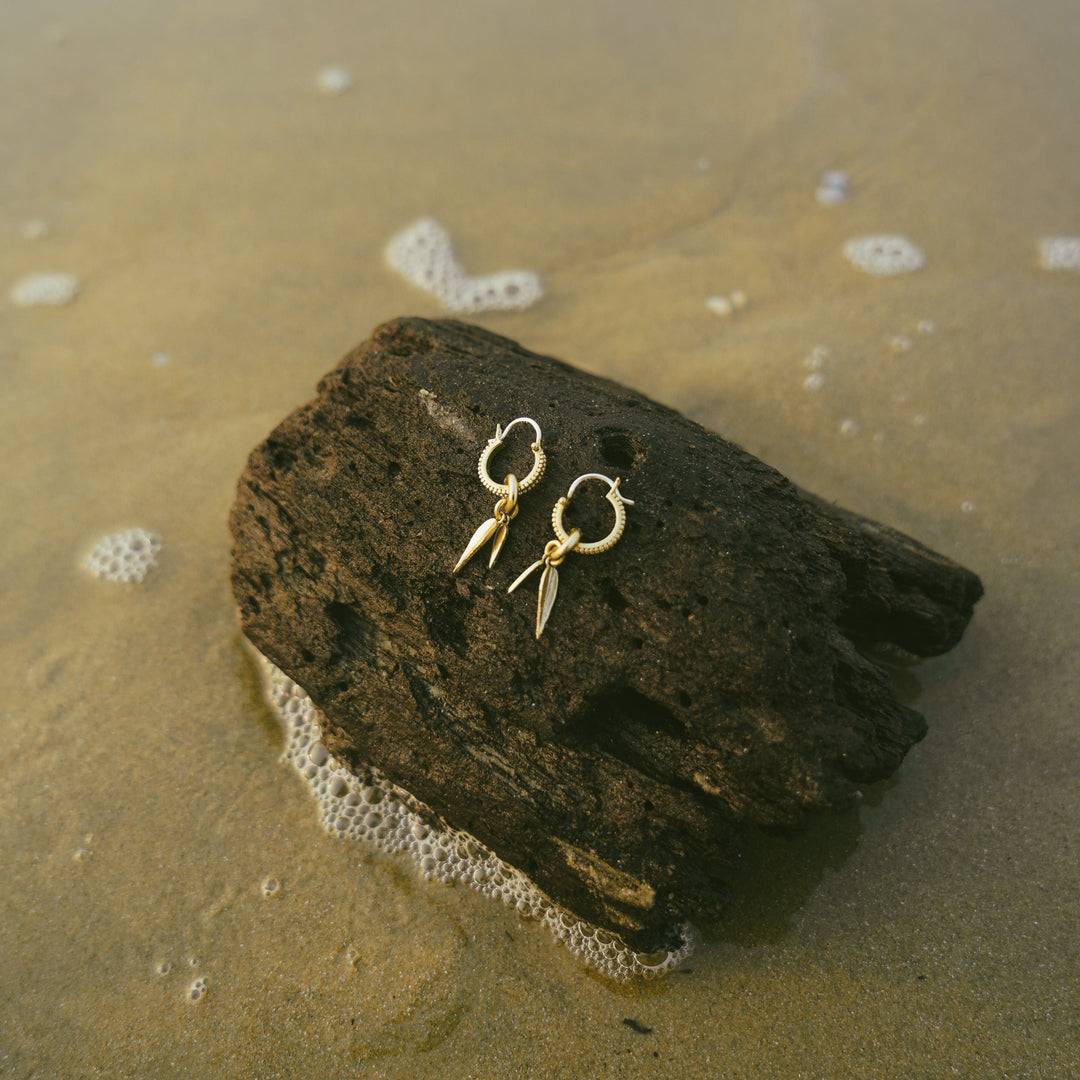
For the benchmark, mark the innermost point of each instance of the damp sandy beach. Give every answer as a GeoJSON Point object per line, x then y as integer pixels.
{"type": "Point", "coordinates": [219, 182]}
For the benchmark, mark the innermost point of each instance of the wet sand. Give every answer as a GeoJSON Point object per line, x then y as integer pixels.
{"type": "Point", "coordinates": [220, 211]}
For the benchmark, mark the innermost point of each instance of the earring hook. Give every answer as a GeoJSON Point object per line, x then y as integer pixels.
{"type": "Point", "coordinates": [500, 432]}
{"type": "Point", "coordinates": [612, 484]}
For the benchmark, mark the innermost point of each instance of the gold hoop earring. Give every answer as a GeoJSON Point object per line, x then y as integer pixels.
{"type": "Point", "coordinates": [506, 508]}
{"type": "Point", "coordinates": [556, 550]}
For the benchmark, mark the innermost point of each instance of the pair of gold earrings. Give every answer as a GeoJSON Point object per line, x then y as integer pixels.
{"type": "Point", "coordinates": [506, 509]}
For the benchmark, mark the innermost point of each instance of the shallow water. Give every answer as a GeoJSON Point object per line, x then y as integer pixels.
{"type": "Point", "coordinates": [226, 220]}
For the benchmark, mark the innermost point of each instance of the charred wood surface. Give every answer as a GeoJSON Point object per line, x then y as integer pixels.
{"type": "Point", "coordinates": [701, 675]}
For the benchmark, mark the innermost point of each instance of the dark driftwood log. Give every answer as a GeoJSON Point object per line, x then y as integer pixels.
{"type": "Point", "coordinates": [699, 675]}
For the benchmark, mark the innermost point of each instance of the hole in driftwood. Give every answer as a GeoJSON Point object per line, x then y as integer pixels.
{"type": "Point", "coordinates": [622, 450]}
{"type": "Point", "coordinates": [355, 632]}
{"type": "Point", "coordinates": [626, 724]}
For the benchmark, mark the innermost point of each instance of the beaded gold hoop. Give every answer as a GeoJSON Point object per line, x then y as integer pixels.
{"type": "Point", "coordinates": [613, 497]}
{"type": "Point", "coordinates": [506, 509]}
{"type": "Point", "coordinates": [536, 473]}
{"type": "Point", "coordinates": [556, 550]}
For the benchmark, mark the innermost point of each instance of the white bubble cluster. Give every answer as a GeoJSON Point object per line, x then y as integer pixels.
{"type": "Point", "coordinates": [720, 305]}
{"type": "Point", "coordinates": [126, 556]}
{"type": "Point", "coordinates": [333, 80]}
{"type": "Point", "coordinates": [1059, 252]}
{"type": "Point", "coordinates": [423, 255]}
{"type": "Point", "coordinates": [833, 187]}
{"type": "Point", "coordinates": [34, 229]}
{"type": "Point", "coordinates": [725, 305]}
{"type": "Point", "coordinates": [884, 256]}
{"type": "Point", "coordinates": [45, 290]}
{"type": "Point", "coordinates": [367, 807]}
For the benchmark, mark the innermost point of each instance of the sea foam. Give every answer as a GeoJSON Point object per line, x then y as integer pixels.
{"type": "Point", "coordinates": [367, 807]}
{"type": "Point", "coordinates": [423, 255]}
{"type": "Point", "coordinates": [45, 290]}
{"type": "Point", "coordinates": [1059, 252]}
{"type": "Point", "coordinates": [125, 557]}
{"type": "Point", "coordinates": [884, 256]}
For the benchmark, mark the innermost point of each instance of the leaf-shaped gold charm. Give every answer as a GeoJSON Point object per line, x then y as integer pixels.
{"type": "Point", "coordinates": [522, 577]}
{"type": "Point", "coordinates": [496, 546]}
{"type": "Point", "coordinates": [480, 538]}
{"type": "Point", "coordinates": [549, 588]}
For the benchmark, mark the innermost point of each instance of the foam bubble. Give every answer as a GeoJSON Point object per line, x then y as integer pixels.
{"type": "Point", "coordinates": [333, 80]}
{"type": "Point", "coordinates": [884, 256]}
{"type": "Point", "coordinates": [1059, 252]}
{"type": "Point", "coordinates": [900, 343]}
{"type": "Point", "coordinates": [723, 306]}
{"type": "Point", "coordinates": [830, 196]}
{"type": "Point", "coordinates": [197, 990]}
{"type": "Point", "coordinates": [34, 229]}
{"type": "Point", "coordinates": [833, 187]}
{"type": "Point", "coordinates": [45, 290]}
{"type": "Point", "coordinates": [126, 556]}
{"type": "Point", "coordinates": [367, 807]}
{"type": "Point", "coordinates": [834, 178]}
{"type": "Point", "coordinates": [814, 381]}
{"type": "Point", "coordinates": [849, 427]}
{"type": "Point", "coordinates": [423, 255]}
